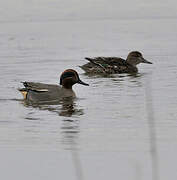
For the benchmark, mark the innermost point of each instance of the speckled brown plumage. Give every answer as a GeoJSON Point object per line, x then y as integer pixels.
{"type": "Point", "coordinates": [114, 65]}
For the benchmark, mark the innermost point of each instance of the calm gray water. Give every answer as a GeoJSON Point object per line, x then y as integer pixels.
{"type": "Point", "coordinates": [120, 127]}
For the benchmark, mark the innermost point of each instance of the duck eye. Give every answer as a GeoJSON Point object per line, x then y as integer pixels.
{"type": "Point", "coordinates": [66, 75]}
{"type": "Point", "coordinates": [135, 55]}
{"type": "Point", "coordinates": [138, 55]}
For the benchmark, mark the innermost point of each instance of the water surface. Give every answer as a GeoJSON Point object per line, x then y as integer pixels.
{"type": "Point", "coordinates": [120, 126]}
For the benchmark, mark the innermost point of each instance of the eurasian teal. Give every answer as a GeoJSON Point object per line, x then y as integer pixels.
{"type": "Point", "coordinates": [40, 92]}
{"type": "Point", "coordinates": [113, 65]}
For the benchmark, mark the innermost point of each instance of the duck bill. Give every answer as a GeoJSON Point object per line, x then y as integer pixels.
{"type": "Point", "coordinates": [146, 61]}
{"type": "Point", "coordinates": [83, 83]}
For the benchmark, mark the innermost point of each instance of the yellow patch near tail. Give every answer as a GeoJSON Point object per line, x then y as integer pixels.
{"type": "Point", "coordinates": [24, 93]}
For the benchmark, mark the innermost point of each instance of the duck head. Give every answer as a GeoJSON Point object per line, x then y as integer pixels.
{"type": "Point", "coordinates": [70, 77]}
{"type": "Point", "coordinates": [135, 58]}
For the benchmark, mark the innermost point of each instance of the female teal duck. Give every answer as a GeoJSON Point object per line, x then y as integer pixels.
{"type": "Point", "coordinates": [39, 92]}
{"type": "Point", "coordinates": [113, 65]}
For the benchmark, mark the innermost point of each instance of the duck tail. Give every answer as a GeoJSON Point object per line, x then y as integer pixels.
{"type": "Point", "coordinates": [24, 92]}
{"type": "Point", "coordinates": [89, 59]}
{"type": "Point", "coordinates": [25, 83]}
{"type": "Point", "coordinates": [22, 89]}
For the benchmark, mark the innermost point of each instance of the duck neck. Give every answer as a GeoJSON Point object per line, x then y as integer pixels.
{"type": "Point", "coordinates": [68, 83]}
{"type": "Point", "coordinates": [131, 61]}
{"type": "Point", "coordinates": [67, 86]}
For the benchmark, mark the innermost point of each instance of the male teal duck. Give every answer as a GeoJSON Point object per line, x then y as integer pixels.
{"type": "Point", "coordinates": [113, 65]}
{"type": "Point", "coordinates": [40, 92]}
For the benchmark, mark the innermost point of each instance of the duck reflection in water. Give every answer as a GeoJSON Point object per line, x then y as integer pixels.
{"type": "Point", "coordinates": [69, 108]}
{"type": "Point", "coordinates": [66, 107]}
{"type": "Point", "coordinates": [70, 128]}
{"type": "Point", "coordinates": [70, 131]}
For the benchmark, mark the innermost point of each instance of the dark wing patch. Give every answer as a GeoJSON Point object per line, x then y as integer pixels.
{"type": "Point", "coordinates": [108, 60]}
{"type": "Point", "coordinates": [39, 87]}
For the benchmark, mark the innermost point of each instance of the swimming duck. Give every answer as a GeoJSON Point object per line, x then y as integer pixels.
{"type": "Point", "coordinates": [112, 65]}
{"type": "Point", "coordinates": [40, 92]}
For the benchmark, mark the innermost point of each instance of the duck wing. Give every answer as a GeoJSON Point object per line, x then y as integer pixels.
{"type": "Point", "coordinates": [111, 61]}
{"type": "Point", "coordinates": [39, 87]}
{"type": "Point", "coordinates": [37, 92]}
